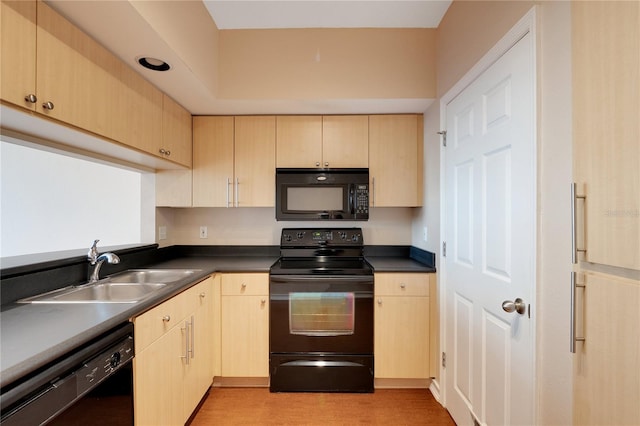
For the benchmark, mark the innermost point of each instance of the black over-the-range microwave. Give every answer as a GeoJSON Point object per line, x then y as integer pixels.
{"type": "Point", "coordinates": [322, 194]}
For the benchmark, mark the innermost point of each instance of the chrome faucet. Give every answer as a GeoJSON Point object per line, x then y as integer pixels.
{"type": "Point", "coordinates": [98, 260]}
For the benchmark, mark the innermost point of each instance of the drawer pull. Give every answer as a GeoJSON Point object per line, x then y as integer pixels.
{"type": "Point", "coordinates": [166, 318]}
{"type": "Point", "coordinates": [243, 286]}
{"type": "Point", "coordinates": [202, 295]}
{"type": "Point", "coordinates": [403, 286]}
{"type": "Point", "coordinates": [380, 302]}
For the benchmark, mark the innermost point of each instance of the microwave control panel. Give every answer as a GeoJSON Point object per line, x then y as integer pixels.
{"type": "Point", "coordinates": [362, 199]}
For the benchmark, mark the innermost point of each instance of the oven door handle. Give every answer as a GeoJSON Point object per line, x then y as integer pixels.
{"type": "Point", "coordinates": [320, 363]}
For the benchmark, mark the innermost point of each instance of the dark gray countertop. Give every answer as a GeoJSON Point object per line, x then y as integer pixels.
{"type": "Point", "coordinates": [397, 264]}
{"type": "Point", "coordinates": [34, 335]}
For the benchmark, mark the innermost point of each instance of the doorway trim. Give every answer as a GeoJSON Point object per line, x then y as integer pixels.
{"type": "Point", "coordinates": [526, 25]}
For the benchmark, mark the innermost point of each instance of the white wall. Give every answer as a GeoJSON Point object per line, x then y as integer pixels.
{"type": "Point", "coordinates": [53, 202]}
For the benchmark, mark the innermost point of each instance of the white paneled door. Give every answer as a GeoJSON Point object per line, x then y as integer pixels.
{"type": "Point", "coordinates": [490, 237]}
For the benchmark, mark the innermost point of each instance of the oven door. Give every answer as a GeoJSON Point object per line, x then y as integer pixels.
{"type": "Point", "coordinates": [329, 314]}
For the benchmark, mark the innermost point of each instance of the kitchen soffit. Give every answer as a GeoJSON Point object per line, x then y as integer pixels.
{"type": "Point", "coordinates": [133, 28]}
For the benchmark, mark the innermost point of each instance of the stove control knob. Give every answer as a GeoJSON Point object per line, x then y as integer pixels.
{"type": "Point", "coordinates": [343, 235]}
{"type": "Point", "coordinates": [355, 238]}
{"type": "Point", "coordinates": [287, 237]}
{"type": "Point", "coordinates": [300, 235]}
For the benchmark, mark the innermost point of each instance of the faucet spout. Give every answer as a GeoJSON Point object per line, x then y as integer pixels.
{"type": "Point", "coordinates": [97, 261]}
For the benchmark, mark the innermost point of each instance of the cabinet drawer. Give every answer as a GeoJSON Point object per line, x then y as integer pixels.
{"type": "Point", "coordinates": [197, 295]}
{"type": "Point", "coordinates": [157, 321]}
{"type": "Point", "coordinates": [245, 284]}
{"type": "Point", "coordinates": [403, 284]}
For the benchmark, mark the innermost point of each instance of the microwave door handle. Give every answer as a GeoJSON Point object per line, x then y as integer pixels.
{"type": "Point", "coordinates": [352, 203]}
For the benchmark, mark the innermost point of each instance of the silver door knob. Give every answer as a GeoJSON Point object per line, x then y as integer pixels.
{"type": "Point", "coordinates": [48, 105]}
{"type": "Point", "coordinates": [31, 98]}
{"type": "Point", "coordinates": [518, 306]}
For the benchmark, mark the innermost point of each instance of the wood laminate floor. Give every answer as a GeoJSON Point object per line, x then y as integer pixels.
{"type": "Point", "coordinates": [257, 406]}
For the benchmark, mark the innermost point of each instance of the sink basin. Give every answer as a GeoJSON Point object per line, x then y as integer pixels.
{"type": "Point", "coordinates": [101, 292]}
{"type": "Point", "coordinates": [151, 275]}
{"type": "Point", "coordinates": [130, 286]}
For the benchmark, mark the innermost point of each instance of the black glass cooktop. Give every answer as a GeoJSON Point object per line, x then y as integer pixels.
{"type": "Point", "coordinates": [314, 266]}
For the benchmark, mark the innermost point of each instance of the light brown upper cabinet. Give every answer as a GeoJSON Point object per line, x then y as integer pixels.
{"type": "Point", "coordinates": [395, 160]}
{"type": "Point", "coordinates": [176, 132]}
{"type": "Point", "coordinates": [234, 161]}
{"type": "Point", "coordinates": [18, 58]}
{"type": "Point", "coordinates": [322, 141]}
{"type": "Point", "coordinates": [52, 67]}
{"type": "Point", "coordinates": [606, 129]}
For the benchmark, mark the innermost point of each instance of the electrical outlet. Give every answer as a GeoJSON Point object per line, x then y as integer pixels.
{"type": "Point", "coordinates": [203, 232]}
{"type": "Point", "coordinates": [162, 233]}
{"type": "Point", "coordinates": [424, 234]}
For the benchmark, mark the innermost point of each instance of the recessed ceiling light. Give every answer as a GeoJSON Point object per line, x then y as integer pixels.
{"type": "Point", "coordinates": [153, 63]}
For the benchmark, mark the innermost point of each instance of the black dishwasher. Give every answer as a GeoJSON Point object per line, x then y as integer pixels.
{"type": "Point", "coordinates": [92, 384]}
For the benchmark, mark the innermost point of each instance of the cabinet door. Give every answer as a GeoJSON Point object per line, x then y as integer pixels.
{"type": "Point", "coordinates": [245, 336]}
{"type": "Point", "coordinates": [395, 160]}
{"type": "Point", "coordinates": [245, 325]}
{"type": "Point", "coordinates": [299, 141]}
{"type": "Point", "coordinates": [255, 152]}
{"type": "Point", "coordinates": [606, 381]}
{"type": "Point", "coordinates": [176, 132]}
{"type": "Point", "coordinates": [606, 107]}
{"type": "Point", "coordinates": [198, 373]}
{"type": "Point", "coordinates": [18, 57]}
{"type": "Point", "coordinates": [212, 161]}
{"type": "Point", "coordinates": [92, 89]}
{"type": "Point", "coordinates": [345, 141]}
{"type": "Point", "coordinates": [158, 381]}
{"type": "Point", "coordinates": [401, 342]}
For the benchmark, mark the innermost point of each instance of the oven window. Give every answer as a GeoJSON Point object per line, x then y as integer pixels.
{"type": "Point", "coordinates": [314, 198]}
{"type": "Point", "coordinates": [321, 314]}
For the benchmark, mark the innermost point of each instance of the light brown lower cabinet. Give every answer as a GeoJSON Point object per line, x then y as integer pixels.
{"type": "Point", "coordinates": [245, 325]}
{"type": "Point", "coordinates": [402, 321]}
{"type": "Point", "coordinates": [173, 366]}
{"type": "Point", "coordinates": [607, 363]}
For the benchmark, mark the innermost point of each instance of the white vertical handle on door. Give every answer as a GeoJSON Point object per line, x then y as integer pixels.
{"type": "Point", "coordinates": [572, 329]}
{"type": "Point", "coordinates": [574, 234]}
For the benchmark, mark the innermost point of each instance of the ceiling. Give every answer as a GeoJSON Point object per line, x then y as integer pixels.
{"type": "Point", "coordinates": [134, 28]}
{"type": "Point", "coordinates": [326, 14]}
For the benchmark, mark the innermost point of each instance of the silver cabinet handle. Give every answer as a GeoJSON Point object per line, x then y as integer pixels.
{"type": "Point", "coordinates": [380, 302]}
{"type": "Point", "coordinates": [193, 337]}
{"type": "Point", "coordinates": [326, 164]}
{"type": "Point", "coordinates": [403, 286]}
{"type": "Point", "coordinates": [228, 183]}
{"type": "Point", "coordinates": [166, 318]}
{"type": "Point", "coordinates": [186, 342]}
{"type": "Point", "coordinates": [202, 295]}
{"type": "Point", "coordinates": [48, 105]}
{"type": "Point", "coordinates": [574, 237]}
{"type": "Point", "coordinates": [516, 306]}
{"type": "Point", "coordinates": [572, 329]}
{"type": "Point", "coordinates": [373, 192]}
{"type": "Point", "coordinates": [237, 192]}
{"type": "Point", "coordinates": [317, 164]}
{"type": "Point", "coordinates": [31, 98]}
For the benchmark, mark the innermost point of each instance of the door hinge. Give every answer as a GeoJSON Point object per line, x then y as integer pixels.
{"type": "Point", "coordinates": [444, 249]}
{"type": "Point", "coordinates": [443, 133]}
{"type": "Point", "coordinates": [444, 360]}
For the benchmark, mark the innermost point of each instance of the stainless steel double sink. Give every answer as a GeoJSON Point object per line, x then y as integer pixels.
{"type": "Point", "coordinates": [130, 286]}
